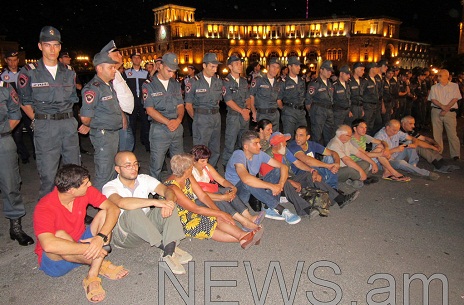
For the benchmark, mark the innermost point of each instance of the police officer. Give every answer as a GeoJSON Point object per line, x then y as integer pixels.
{"type": "Point", "coordinates": [10, 75]}
{"type": "Point", "coordinates": [371, 99]}
{"type": "Point", "coordinates": [47, 89]}
{"type": "Point", "coordinates": [264, 91]}
{"type": "Point", "coordinates": [101, 113]}
{"type": "Point", "coordinates": [125, 98]}
{"type": "Point", "coordinates": [394, 91]}
{"type": "Point", "coordinates": [292, 97]}
{"type": "Point", "coordinates": [388, 95]}
{"type": "Point", "coordinates": [135, 77]}
{"type": "Point", "coordinates": [319, 102]}
{"type": "Point", "coordinates": [342, 102]}
{"type": "Point", "coordinates": [236, 96]}
{"type": "Point", "coordinates": [163, 102]}
{"type": "Point", "coordinates": [403, 90]}
{"type": "Point", "coordinates": [202, 96]}
{"type": "Point", "coordinates": [356, 83]}
{"type": "Point", "coordinates": [10, 181]}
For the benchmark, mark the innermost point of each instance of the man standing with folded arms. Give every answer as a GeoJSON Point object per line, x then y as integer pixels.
{"type": "Point", "coordinates": [47, 89]}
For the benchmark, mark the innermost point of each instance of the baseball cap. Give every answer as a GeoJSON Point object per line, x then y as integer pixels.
{"type": "Point", "coordinates": [102, 58]}
{"type": "Point", "coordinates": [211, 58]}
{"type": "Point", "coordinates": [49, 33]}
{"type": "Point", "coordinates": [170, 60]}
{"type": "Point", "coordinates": [327, 64]}
{"type": "Point", "coordinates": [278, 137]}
{"type": "Point", "coordinates": [234, 58]}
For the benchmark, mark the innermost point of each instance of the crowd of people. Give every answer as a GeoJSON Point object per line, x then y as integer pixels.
{"type": "Point", "coordinates": [361, 122]}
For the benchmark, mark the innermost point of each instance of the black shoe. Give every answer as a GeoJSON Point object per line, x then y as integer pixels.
{"type": "Point", "coordinates": [348, 199]}
{"type": "Point", "coordinates": [88, 219]}
{"type": "Point", "coordinates": [17, 233]}
{"type": "Point", "coordinates": [370, 180]}
{"type": "Point", "coordinates": [456, 158]}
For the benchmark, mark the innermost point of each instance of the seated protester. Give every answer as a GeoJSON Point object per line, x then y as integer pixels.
{"type": "Point", "coordinates": [427, 147]}
{"type": "Point", "coordinates": [304, 177]}
{"type": "Point", "coordinates": [360, 138]}
{"type": "Point", "coordinates": [264, 128]}
{"type": "Point", "coordinates": [403, 157]}
{"type": "Point", "coordinates": [241, 171]}
{"type": "Point", "coordinates": [306, 151]}
{"type": "Point", "coordinates": [225, 196]}
{"type": "Point", "coordinates": [352, 172]}
{"type": "Point", "coordinates": [63, 241]}
{"type": "Point", "coordinates": [199, 216]}
{"type": "Point", "coordinates": [142, 219]}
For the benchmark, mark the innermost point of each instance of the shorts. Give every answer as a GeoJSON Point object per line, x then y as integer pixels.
{"type": "Point", "coordinates": [61, 267]}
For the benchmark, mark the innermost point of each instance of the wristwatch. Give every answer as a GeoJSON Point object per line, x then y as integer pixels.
{"type": "Point", "coordinates": [105, 238]}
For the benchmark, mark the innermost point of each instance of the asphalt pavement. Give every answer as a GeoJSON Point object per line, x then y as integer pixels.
{"type": "Point", "coordinates": [394, 242]}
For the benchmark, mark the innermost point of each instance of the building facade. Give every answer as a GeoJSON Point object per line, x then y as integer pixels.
{"type": "Point", "coordinates": [342, 40]}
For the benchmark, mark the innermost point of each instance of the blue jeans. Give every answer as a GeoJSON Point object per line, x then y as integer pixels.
{"type": "Point", "coordinates": [409, 166]}
{"type": "Point", "coordinates": [126, 138]}
{"type": "Point", "coordinates": [327, 176]}
{"type": "Point", "coordinates": [263, 195]}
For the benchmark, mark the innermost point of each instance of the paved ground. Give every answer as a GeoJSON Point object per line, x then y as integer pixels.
{"type": "Point", "coordinates": [364, 254]}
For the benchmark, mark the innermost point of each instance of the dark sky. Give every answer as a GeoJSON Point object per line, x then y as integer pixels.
{"type": "Point", "coordinates": [87, 25]}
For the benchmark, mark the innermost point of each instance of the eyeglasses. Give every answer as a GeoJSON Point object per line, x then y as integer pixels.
{"type": "Point", "coordinates": [136, 164]}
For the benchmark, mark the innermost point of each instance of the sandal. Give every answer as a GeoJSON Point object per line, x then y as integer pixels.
{"type": "Point", "coordinates": [252, 238]}
{"type": "Point", "coordinates": [94, 292]}
{"type": "Point", "coordinates": [260, 218]}
{"type": "Point", "coordinates": [111, 273]}
{"type": "Point", "coordinates": [403, 178]}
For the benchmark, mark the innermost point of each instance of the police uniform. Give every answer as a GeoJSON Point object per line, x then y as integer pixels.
{"type": "Point", "coordinates": [135, 79]}
{"type": "Point", "coordinates": [10, 180]}
{"type": "Point", "coordinates": [55, 131]}
{"type": "Point", "coordinates": [372, 93]}
{"type": "Point", "coordinates": [100, 103]}
{"type": "Point", "coordinates": [206, 126]}
{"type": "Point", "coordinates": [342, 103]}
{"type": "Point", "coordinates": [319, 98]}
{"type": "Point", "coordinates": [265, 99]}
{"type": "Point", "coordinates": [402, 88]}
{"type": "Point", "coordinates": [388, 87]}
{"type": "Point", "coordinates": [419, 107]}
{"type": "Point", "coordinates": [166, 102]}
{"type": "Point", "coordinates": [11, 78]}
{"type": "Point", "coordinates": [234, 90]}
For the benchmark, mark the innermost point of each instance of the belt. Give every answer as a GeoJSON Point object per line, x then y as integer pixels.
{"type": "Point", "coordinates": [5, 134]}
{"type": "Point", "coordinates": [451, 110]}
{"type": "Point", "coordinates": [323, 105]}
{"type": "Point", "coordinates": [206, 111]}
{"type": "Point", "coordinates": [300, 107]}
{"type": "Point", "coordinates": [267, 110]}
{"type": "Point", "coordinates": [340, 108]}
{"type": "Point", "coordinates": [356, 103]}
{"type": "Point", "coordinates": [56, 116]}
{"type": "Point", "coordinates": [104, 129]}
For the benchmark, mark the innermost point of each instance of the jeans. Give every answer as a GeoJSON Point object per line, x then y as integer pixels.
{"type": "Point", "coordinates": [263, 195]}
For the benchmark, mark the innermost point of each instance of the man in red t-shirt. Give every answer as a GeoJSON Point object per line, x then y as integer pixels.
{"type": "Point", "coordinates": [63, 242]}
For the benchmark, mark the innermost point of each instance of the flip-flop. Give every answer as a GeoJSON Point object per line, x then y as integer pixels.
{"type": "Point", "coordinates": [390, 178]}
{"type": "Point", "coordinates": [260, 218]}
{"type": "Point", "coordinates": [403, 178]}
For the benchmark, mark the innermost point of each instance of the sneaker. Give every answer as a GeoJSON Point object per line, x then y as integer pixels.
{"type": "Point", "coordinates": [445, 169]}
{"type": "Point", "coordinates": [291, 218]}
{"type": "Point", "coordinates": [182, 256]}
{"type": "Point", "coordinates": [433, 176]}
{"type": "Point", "coordinates": [357, 184]}
{"type": "Point", "coordinates": [173, 264]}
{"type": "Point", "coordinates": [370, 180]}
{"type": "Point", "coordinates": [453, 167]}
{"type": "Point", "coordinates": [348, 199]}
{"type": "Point", "coordinates": [273, 214]}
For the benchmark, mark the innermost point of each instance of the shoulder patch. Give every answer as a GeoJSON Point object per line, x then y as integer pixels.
{"type": "Point", "coordinates": [311, 90]}
{"type": "Point", "coordinates": [144, 93]}
{"type": "Point", "coordinates": [223, 90]}
{"type": "Point", "coordinates": [22, 80]}
{"type": "Point", "coordinates": [89, 96]}
{"type": "Point", "coordinates": [196, 77]}
{"type": "Point", "coordinates": [14, 96]}
{"type": "Point", "coordinates": [253, 83]}
{"type": "Point", "coordinates": [188, 87]}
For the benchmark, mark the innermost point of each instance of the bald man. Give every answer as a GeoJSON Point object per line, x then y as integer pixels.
{"type": "Point", "coordinates": [142, 219]}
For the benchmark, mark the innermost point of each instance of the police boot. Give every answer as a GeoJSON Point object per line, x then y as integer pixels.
{"type": "Point", "coordinates": [17, 233]}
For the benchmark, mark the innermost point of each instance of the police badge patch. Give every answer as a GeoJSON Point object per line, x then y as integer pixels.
{"type": "Point", "coordinates": [253, 84]}
{"type": "Point", "coordinates": [144, 93]}
{"type": "Point", "coordinates": [23, 80]}
{"type": "Point", "coordinates": [188, 87]}
{"type": "Point", "coordinates": [311, 90]}
{"type": "Point", "coordinates": [14, 96]}
{"type": "Point", "coordinates": [89, 96]}
{"type": "Point", "coordinates": [223, 90]}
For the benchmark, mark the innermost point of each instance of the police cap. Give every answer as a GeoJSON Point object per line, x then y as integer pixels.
{"type": "Point", "coordinates": [64, 54]}
{"type": "Point", "coordinates": [383, 62]}
{"type": "Point", "coordinates": [234, 58]}
{"type": "Point", "coordinates": [274, 60]}
{"type": "Point", "coordinates": [110, 47]}
{"type": "Point", "coordinates": [170, 60]}
{"type": "Point", "coordinates": [357, 65]}
{"type": "Point", "coordinates": [327, 64]}
{"type": "Point", "coordinates": [211, 58]}
{"type": "Point", "coordinates": [345, 69]}
{"type": "Point", "coordinates": [11, 54]}
{"type": "Point", "coordinates": [135, 54]}
{"type": "Point", "coordinates": [371, 65]}
{"type": "Point", "coordinates": [49, 33]}
{"type": "Point", "coordinates": [293, 60]}
{"type": "Point", "coordinates": [102, 58]}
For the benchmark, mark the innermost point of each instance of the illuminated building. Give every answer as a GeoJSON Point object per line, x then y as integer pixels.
{"type": "Point", "coordinates": [342, 40]}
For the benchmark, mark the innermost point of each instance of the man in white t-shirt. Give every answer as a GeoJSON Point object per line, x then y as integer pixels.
{"type": "Point", "coordinates": [143, 219]}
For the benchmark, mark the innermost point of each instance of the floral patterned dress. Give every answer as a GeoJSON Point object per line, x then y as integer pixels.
{"type": "Point", "coordinates": [195, 225]}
